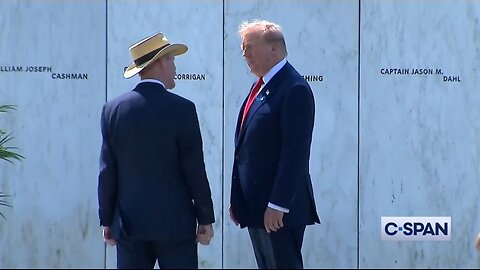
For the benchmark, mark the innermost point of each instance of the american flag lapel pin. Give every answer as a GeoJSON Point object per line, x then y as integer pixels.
{"type": "Point", "coordinates": [266, 94]}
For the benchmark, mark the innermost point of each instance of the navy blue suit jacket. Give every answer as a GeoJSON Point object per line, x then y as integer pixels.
{"type": "Point", "coordinates": [272, 153]}
{"type": "Point", "coordinates": [152, 183]}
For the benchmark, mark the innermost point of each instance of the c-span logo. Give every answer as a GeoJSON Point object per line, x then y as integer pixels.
{"type": "Point", "coordinates": [416, 228]}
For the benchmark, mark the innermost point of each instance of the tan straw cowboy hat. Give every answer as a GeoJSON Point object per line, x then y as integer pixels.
{"type": "Point", "coordinates": [149, 49]}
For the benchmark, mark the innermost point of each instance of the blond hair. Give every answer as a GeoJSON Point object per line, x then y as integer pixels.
{"type": "Point", "coordinates": [268, 31]}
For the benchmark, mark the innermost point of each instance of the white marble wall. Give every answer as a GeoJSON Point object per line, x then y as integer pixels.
{"type": "Point", "coordinates": [419, 134]}
{"type": "Point", "coordinates": [198, 24]}
{"type": "Point", "coordinates": [54, 220]}
{"type": "Point", "coordinates": [319, 44]}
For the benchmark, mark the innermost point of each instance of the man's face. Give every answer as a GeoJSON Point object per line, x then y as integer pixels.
{"type": "Point", "coordinates": [257, 52]}
{"type": "Point", "coordinates": [169, 69]}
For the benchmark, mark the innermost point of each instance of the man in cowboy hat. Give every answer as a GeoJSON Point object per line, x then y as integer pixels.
{"type": "Point", "coordinates": [152, 186]}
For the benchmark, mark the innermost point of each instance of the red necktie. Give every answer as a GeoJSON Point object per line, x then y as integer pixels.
{"type": "Point", "coordinates": [251, 97]}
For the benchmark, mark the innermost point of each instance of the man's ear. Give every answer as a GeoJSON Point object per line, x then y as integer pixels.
{"type": "Point", "coordinates": [159, 62]}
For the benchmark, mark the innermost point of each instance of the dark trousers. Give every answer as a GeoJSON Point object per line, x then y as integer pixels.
{"type": "Point", "coordinates": [278, 250]}
{"type": "Point", "coordinates": [139, 254]}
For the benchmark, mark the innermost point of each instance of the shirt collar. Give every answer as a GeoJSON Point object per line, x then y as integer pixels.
{"type": "Point", "coordinates": [152, 81]}
{"type": "Point", "coordinates": [274, 70]}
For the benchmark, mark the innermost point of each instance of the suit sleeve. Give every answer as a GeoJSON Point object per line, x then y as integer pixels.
{"type": "Point", "coordinates": [193, 167]}
{"type": "Point", "coordinates": [297, 118]}
{"type": "Point", "coordinates": [107, 178]}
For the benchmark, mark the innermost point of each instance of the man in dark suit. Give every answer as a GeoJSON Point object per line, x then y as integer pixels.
{"type": "Point", "coordinates": [271, 191]}
{"type": "Point", "coordinates": [152, 185]}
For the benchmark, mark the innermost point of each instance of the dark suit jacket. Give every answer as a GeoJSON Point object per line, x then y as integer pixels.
{"type": "Point", "coordinates": [152, 183]}
{"type": "Point", "coordinates": [272, 153]}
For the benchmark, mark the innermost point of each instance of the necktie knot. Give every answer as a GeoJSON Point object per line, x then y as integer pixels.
{"type": "Point", "coordinates": [260, 81]}
{"type": "Point", "coordinates": [257, 86]}
{"type": "Point", "coordinates": [251, 97]}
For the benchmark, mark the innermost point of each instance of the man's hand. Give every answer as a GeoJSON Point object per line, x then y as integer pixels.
{"type": "Point", "coordinates": [204, 234]}
{"type": "Point", "coordinates": [232, 217]}
{"type": "Point", "coordinates": [108, 237]}
{"type": "Point", "coordinates": [273, 220]}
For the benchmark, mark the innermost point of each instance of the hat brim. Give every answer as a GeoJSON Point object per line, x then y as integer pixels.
{"type": "Point", "coordinates": [174, 49]}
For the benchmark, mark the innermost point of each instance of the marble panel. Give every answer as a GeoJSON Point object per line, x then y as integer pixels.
{"type": "Point", "coordinates": [324, 49]}
{"type": "Point", "coordinates": [52, 67]}
{"type": "Point", "coordinates": [198, 24]}
{"type": "Point", "coordinates": [419, 128]}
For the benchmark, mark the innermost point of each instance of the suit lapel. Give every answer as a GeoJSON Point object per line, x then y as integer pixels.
{"type": "Point", "coordinates": [262, 98]}
{"type": "Point", "coordinates": [239, 120]}
{"type": "Point", "coordinates": [257, 103]}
